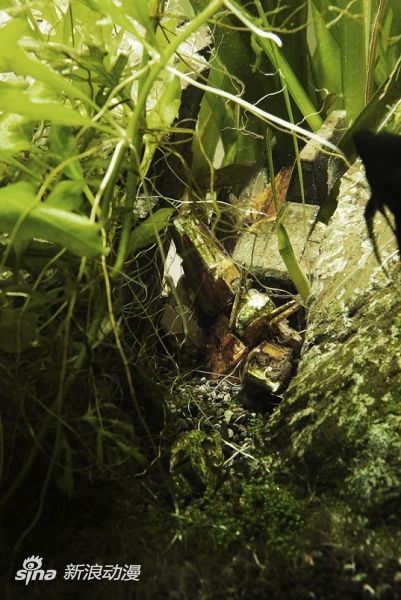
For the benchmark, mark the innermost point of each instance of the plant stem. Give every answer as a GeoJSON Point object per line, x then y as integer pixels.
{"type": "Point", "coordinates": [372, 49]}
{"type": "Point", "coordinates": [133, 128]}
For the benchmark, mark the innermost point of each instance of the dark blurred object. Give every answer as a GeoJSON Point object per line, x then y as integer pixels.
{"type": "Point", "coordinates": [381, 156]}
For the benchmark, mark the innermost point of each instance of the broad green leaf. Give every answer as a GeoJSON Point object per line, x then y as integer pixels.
{"type": "Point", "coordinates": [14, 134]}
{"type": "Point", "coordinates": [212, 115]}
{"type": "Point", "coordinates": [66, 195]}
{"type": "Point", "coordinates": [18, 209]}
{"type": "Point", "coordinates": [146, 233]}
{"type": "Point", "coordinates": [139, 10]}
{"type": "Point", "coordinates": [353, 57]}
{"type": "Point", "coordinates": [15, 100]}
{"type": "Point", "coordinates": [160, 118]}
{"type": "Point", "coordinates": [116, 14]}
{"type": "Point", "coordinates": [164, 112]}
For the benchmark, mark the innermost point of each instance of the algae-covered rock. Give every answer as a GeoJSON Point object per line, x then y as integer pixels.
{"type": "Point", "coordinates": [339, 425]}
{"type": "Point", "coordinates": [195, 462]}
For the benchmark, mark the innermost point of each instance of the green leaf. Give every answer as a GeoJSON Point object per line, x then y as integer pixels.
{"type": "Point", "coordinates": [294, 268]}
{"type": "Point", "coordinates": [213, 113]}
{"type": "Point", "coordinates": [297, 92]}
{"type": "Point", "coordinates": [15, 100]}
{"type": "Point", "coordinates": [166, 109]}
{"type": "Point", "coordinates": [139, 11]}
{"type": "Point", "coordinates": [13, 58]}
{"type": "Point", "coordinates": [19, 208]}
{"type": "Point", "coordinates": [327, 59]}
{"type": "Point", "coordinates": [65, 480]}
{"type": "Point", "coordinates": [66, 195]}
{"type": "Point", "coordinates": [14, 134]}
{"type": "Point", "coordinates": [116, 14]}
{"type": "Point", "coordinates": [353, 57]}
{"type": "Point", "coordinates": [375, 111]}
{"type": "Point", "coordinates": [63, 146]}
{"type": "Point", "coordinates": [146, 233]}
{"type": "Point", "coordinates": [160, 118]}
{"type": "Point", "coordinates": [7, 158]}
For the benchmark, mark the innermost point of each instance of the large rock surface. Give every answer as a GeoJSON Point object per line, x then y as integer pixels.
{"type": "Point", "coordinates": [338, 428]}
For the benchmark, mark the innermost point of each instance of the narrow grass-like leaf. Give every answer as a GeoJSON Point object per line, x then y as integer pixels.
{"type": "Point", "coordinates": [296, 272]}
{"type": "Point", "coordinates": [353, 57]}
{"type": "Point", "coordinates": [327, 58]}
{"type": "Point", "coordinates": [297, 92]}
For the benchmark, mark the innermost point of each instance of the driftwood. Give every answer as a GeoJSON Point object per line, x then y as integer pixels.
{"type": "Point", "coordinates": [250, 333]}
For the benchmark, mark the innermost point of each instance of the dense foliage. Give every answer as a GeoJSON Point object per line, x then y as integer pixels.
{"type": "Point", "coordinates": [90, 95]}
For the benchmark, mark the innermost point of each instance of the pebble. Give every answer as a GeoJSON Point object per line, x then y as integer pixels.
{"type": "Point", "coordinates": [212, 382]}
{"type": "Point", "coordinates": [218, 403]}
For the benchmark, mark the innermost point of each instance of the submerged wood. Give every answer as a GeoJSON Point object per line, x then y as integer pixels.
{"type": "Point", "coordinates": [210, 271]}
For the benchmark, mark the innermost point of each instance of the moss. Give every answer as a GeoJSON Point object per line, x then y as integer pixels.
{"type": "Point", "coordinates": [195, 462]}
{"type": "Point", "coordinates": [257, 514]}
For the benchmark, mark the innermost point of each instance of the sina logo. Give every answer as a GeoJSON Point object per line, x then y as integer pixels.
{"type": "Point", "coordinates": [32, 571]}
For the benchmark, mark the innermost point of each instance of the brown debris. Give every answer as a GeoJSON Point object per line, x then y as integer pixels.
{"type": "Point", "coordinates": [225, 351]}
{"type": "Point", "coordinates": [264, 201]}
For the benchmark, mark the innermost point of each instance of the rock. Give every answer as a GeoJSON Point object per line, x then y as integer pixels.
{"type": "Point", "coordinates": [337, 432]}
{"type": "Point", "coordinates": [257, 248]}
{"type": "Point", "coordinates": [315, 163]}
